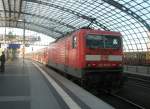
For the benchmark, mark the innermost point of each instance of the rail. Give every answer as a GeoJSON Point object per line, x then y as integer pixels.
{"type": "Point", "coordinates": [128, 101]}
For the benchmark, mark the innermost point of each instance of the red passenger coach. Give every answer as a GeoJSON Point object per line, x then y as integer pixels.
{"type": "Point", "coordinates": [90, 55]}
{"type": "Point", "coordinates": [41, 55]}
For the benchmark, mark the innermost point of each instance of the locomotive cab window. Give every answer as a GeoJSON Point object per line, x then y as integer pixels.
{"type": "Point", "coordinates": [74, 42]}
{"type": "Point", "coordinates": [103, 41]}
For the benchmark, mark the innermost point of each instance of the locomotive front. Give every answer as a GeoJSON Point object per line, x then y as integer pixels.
{"type": "Point", "coordinates": [103, 58]}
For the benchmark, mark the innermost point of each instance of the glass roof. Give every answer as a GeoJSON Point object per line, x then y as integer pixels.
{"type": "Point", "coordinates": [57, 17]}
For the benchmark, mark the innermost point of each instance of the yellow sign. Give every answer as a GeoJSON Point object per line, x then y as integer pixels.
{"type": "Point", "coordinates": [1, 50]}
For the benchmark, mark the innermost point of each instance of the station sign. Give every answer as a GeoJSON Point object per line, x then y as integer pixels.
{"type": "Point", "coordinates": [14, 46]}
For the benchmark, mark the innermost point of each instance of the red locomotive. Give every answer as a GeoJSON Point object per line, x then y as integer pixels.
{"type": "Point", "coordinates": [93, 56]}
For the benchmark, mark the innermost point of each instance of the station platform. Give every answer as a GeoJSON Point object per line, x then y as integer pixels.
{"type": "Point", "coordinates": [30, 85]}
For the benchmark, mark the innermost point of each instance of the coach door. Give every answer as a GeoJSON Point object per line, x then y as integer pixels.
{"type": "Point", "coordinates": [74, 50]}
{"type": "Point", "coordinates": [66, 54]}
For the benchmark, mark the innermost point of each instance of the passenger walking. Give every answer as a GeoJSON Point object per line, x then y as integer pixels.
{"type": "Point", "coordinates": [2, 59]}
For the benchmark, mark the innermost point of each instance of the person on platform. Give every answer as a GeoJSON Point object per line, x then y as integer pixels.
{"type": "Point", "coordinates": [2, 59]}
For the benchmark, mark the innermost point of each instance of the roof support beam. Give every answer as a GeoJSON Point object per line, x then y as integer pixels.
{"type": "Point", "coordinates": [20, 7]}
{"type": "Point", "coordinates": [128, 11]}
{"type": "Point", "coordinates": [4, 10]}
{"type": "Point", "coordinates": [9, 4]}
{"type": "Point", "coordinates": [90, 19]}
{"type": "Point", "coordinates": [14, 9]}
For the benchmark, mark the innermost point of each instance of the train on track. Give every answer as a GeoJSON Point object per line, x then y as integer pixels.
{"type": "Point", "coordinates": [89, 55]}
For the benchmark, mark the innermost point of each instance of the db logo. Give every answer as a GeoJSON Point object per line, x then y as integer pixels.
{"type": "Point", "coordinates": [104, 57]}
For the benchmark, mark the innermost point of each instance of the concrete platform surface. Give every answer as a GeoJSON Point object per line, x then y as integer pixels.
{"type": "Point", "coordinates": [24, 85]}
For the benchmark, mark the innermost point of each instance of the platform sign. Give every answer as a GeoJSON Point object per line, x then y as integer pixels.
{"type": "Point", "coordinates": [14, 46]}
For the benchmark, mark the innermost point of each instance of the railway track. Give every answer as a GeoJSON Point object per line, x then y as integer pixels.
{"type": "Point", "coordinates": [142, 85]}
{"type": "Point", "coordinates": [135, 104]}
{"type": "Point", "coordinates": [128, 101]}
{"type": "Point", "coordinates": [118, 101]}
{"type": "Point", "coordinates": [140, 82]}
{"type": "Point", "coordinates": [139, 79]}
{"type": "Point", "coordinates": [123, 101]}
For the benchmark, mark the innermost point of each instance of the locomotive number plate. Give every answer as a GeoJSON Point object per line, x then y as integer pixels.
{"type": "Point", "coordinates": [104, 57]}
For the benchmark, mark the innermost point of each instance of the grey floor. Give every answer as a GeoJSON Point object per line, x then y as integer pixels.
{"type": "Point", "coordinates": [23, 87]}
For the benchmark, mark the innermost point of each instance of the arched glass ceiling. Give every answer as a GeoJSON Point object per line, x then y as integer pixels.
{"type": "Point", "coordinates": [56, 17]}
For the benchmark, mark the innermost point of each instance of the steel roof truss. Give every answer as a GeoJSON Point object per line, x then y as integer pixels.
{"type": "Point", "coordinates": [90, 19]}
{"type": "Point", "coordinates": [128, 11]}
